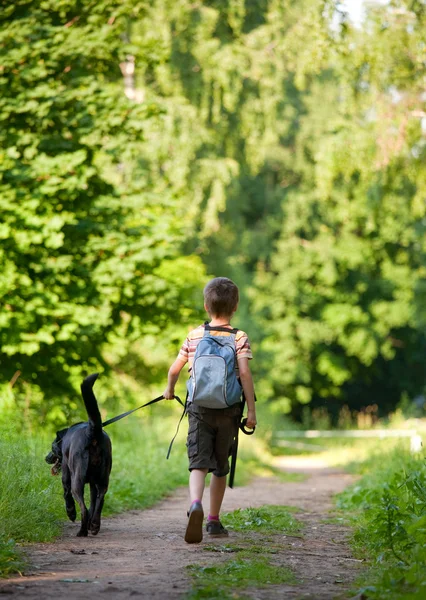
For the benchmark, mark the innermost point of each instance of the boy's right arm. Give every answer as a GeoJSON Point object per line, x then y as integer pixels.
{"type": "Point", "coordinates": [172, 378]}
{"type": "Point", "coordinates": [248, 387]}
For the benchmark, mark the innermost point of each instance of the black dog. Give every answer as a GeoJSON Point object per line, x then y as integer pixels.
{"type": "Point", "coordinates": [83, 451]}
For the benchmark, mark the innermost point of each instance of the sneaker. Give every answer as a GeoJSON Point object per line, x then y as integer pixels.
{"type": "Point", "coordinates": [194, 529]}
{"type": "Point", "coordinates": [216, 529]}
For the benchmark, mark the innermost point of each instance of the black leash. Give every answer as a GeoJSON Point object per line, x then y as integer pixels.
{"type": "Point", "coordinates": [57, 466]}
{"type": "Point", "coordinates": [129, 412]}
{"type": "Point", "coordinates": [178, 425]}
{"type": "Point", "coordinates": [242, 425]}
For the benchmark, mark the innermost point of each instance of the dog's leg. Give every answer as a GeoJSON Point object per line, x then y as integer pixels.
{"type": "Point", "coordinates": [93, 496]}
{"type": "Point", "coordinates": [69, 500]}
{"type": "Point", "coordinates": [96, 517]}
{"type": "Point", "coordinates": [77, 487]}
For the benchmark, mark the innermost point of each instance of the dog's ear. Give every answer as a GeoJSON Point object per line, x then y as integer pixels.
{"type": "Point", "coordinates": [61, 434]}
{"type": "Point", "coordinates": [56, 452]}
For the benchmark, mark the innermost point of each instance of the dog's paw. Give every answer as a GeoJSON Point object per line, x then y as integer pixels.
{"type": "Point", "coordinates": [82, 533]}
{"type": "Point", "coordinates": [72, 515]}
{"type": "Point", "coordinates": [94, 528]}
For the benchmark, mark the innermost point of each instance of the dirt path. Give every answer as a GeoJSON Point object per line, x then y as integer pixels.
{"type": "Point", "coordinates": [142, 553]}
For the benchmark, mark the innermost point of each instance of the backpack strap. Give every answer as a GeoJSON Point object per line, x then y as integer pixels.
{"type": "Point", "coordinates": [208, 327]}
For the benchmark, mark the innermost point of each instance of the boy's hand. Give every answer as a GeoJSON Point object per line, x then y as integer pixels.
{"type": "Point", "coordinates": [172, 377]}
{"type": "Point", "coordinates": [169, 394]}
{"type": "Point", "coordinates": [251, 419]}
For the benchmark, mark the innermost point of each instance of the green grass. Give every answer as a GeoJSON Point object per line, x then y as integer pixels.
{"type": "Point", "coordinates": [30, 500]}
{"type": "Point", "coordinates": [242, 572]}
{"type": "Point", "coordinates": [29, 495]}
{"type": "Point", "coordinates": [276, 519]}
{"type": "Point", "coordinates": [387, 508]}
{"type": "Point", "coordinates": [212, 591]}
{"type": "Point", "coordinates": [11, 560]}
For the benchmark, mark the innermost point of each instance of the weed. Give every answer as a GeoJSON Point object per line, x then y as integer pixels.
{"type": "Point", "coordinates": [11, 560]}
{"type": "Point", "coordinates": [223, 548]}
{"type": "Point", "coordinates": [270, 518]}
{"type": "Point", "coordinates": [335, 521]}
{"type": "Point", "coordinates": [246, 550]}
{"type": "Point", "coordinates": [214, 592]}
{"type": "Point", "coordinates": [242, 572]}
{"type": "Point", "coordinates": [388, 510]}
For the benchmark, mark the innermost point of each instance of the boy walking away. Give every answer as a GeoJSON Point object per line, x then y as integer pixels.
{"type": "Point", "coordinates": [217, 357]}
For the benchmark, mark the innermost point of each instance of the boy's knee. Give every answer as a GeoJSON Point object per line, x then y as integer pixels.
{"type": "Point", "coordinates": [221, 470]}
{"type": "Point", "coordinates": [198, 470]}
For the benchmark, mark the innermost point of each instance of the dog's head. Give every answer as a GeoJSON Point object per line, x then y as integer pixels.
{"type": "Point", "coordinates": [55, 455]}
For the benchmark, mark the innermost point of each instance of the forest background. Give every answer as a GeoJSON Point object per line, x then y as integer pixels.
{"type": "Point", "coordinates": [148, 146]}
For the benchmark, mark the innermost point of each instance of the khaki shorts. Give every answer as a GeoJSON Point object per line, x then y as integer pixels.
{"type": "Point", "coordinates": [211, 434]}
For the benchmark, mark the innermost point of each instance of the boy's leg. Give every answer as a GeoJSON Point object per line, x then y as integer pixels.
{"type": "Point", "coordinates": [217, 492]}
{"type": "Point", "coordinates": [227, 425]}
{"type": "Point", "coordinates": [197, 480]}
{"type": "Point", "coordinates": [194, 528]}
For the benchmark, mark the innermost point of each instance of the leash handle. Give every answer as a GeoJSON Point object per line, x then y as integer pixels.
{"type": "Point", "coordinates": [243, 427]}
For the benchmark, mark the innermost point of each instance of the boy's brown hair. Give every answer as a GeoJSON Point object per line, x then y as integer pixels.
{"type": "Point", "coordinates": [221, 297]}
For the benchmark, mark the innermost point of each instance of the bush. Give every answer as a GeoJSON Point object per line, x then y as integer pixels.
{"type": "Point", "coordinates": [388, 507]}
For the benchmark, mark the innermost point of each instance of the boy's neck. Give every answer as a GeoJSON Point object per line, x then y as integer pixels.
{"type": "Point", "coordinates": [220, 321]}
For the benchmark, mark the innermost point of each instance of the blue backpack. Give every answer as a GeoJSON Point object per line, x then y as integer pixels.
{"type": "Point", "coordinates": [213, 382]}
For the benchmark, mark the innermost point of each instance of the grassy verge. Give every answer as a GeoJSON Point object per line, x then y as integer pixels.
{"type": "Point", "coordinates": [255, 561]}
{"type": "Point", "coordinates": [387, 508]}
{"type": "Point", "coordinates": [30, 502]}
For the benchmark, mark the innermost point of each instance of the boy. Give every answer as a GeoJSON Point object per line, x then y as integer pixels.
{"type": "Point", "coordinates": [211, 431]}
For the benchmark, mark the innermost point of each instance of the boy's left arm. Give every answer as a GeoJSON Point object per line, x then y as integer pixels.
{"type": "Point", "coordinates": [248, 387]}
{"type": "Point", "coordinates": [172, 378]}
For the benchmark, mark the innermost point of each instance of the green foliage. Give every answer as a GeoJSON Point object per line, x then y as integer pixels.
{"type": "Point", "coordinates": [388, 508]}
{"type": "Point", "coordinates": [338, 297]}
{"type": "Point", "coordinates": [269, 141]}
{"type": "Point", "coordinates": [228, 77]}
{"type": "Point", "coordinates": [90, 250]}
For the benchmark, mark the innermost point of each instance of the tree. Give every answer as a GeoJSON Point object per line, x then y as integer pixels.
{"type": "Point", "coordinates": [339, 294]}
{"type": "Point", "coordinates": [229, 77]}
{"type": "Point", "coordinates": [87, 250]}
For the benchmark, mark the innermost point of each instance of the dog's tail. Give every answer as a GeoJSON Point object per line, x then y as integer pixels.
{"type": "Point", "coordinates": [91, 404]}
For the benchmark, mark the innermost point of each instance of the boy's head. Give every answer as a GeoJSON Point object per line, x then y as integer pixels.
{"type": "Point", "coordinates": [221, 297]}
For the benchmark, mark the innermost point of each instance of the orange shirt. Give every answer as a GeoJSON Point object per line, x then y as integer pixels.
{"type": "Point", "coordinates": [187, 352]}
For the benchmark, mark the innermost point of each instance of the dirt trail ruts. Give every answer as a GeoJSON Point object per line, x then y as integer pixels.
{"type": "Point", "coordinates": [143, 554]}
